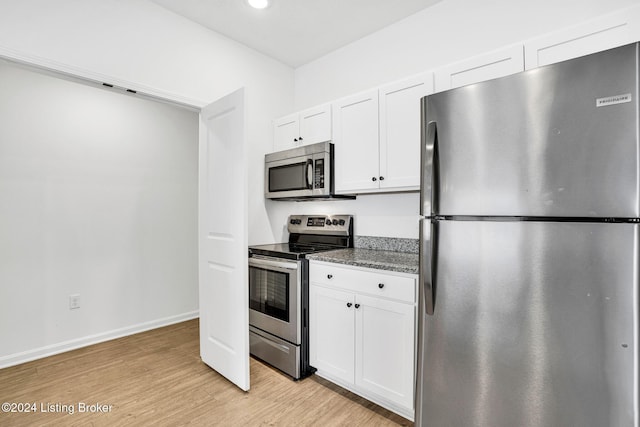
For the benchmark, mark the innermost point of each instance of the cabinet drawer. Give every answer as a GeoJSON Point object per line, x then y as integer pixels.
{"type": "Point", "coordinates": [363, 281]}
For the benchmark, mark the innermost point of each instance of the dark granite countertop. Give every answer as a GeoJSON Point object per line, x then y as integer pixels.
{"type": "Point", "coordinates": [402, 262]}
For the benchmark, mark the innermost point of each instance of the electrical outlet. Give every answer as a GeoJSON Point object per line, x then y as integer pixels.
{"type": "Point", "coordinates": [74, 301]}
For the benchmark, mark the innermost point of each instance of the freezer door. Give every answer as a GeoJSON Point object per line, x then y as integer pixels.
{"type": "Point", "coordinates": [533, 325]}
{"type": "Point", "coordinates": [559, 141]}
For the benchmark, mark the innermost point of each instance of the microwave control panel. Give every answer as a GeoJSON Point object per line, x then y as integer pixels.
{"type": "Point", "coordinates": [318, 174]}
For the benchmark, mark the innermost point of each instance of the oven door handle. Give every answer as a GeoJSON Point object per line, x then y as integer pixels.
{"type": "Point", "coordinates": [258, 261]}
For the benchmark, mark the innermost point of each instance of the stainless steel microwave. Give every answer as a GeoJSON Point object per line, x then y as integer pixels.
{"type": "Point", "coordinates": [300, 173]}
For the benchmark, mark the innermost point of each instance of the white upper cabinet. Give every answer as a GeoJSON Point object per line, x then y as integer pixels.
{"type": "Point", "coordinates": [306, 127]}
{"type": "Point", "coordinates": [286, 131]}
{"type": "Point", "coordinates": [606, 32]}
{"type": "Point", "coordinates": [377, 137]}
{"type": "Point", "coordinates": [355, 135]}
{"type": "Point", "coordinates": [400, 132]}
{"type": "Point", "coordinates": [498, 63]}
{"type": "Point", "coordinates": [315, 125]}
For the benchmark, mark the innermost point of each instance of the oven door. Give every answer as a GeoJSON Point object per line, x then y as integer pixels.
{"type": "Point", "coordinates": [275, 296]}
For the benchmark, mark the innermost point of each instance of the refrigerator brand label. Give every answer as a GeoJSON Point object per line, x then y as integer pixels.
{"type": "Point", "coordinates": [612, 100]}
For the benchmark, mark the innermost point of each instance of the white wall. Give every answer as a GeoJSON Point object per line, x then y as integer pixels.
{"type": "Point", "coordinates": [449, 31]}
{"type": "Point", "coordinates": [155, 50]}
{"type": "Point", "coordinates": [98, 197]}
{"type": "Point", "coordinates": [147, 48]}
{"type": "Point", "coordinates": [389, 215]}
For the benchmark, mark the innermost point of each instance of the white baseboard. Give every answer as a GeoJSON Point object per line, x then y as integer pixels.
{"type": "Point", "coordinates": [50, 350]}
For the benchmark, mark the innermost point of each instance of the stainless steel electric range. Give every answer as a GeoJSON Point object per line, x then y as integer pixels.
{"type": "Point", "coordinates": [279, 290]}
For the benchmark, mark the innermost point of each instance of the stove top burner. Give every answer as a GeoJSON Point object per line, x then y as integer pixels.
{"type": "Point", "coordinates": [309, 234]}
{"type": "Point", "coordinates": [290, 250]}
{"type": "Point", "coordinates": [310, 248]}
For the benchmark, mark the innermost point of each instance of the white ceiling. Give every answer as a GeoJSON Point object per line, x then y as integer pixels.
{"type": "Point", "coordinates": [296, 31]}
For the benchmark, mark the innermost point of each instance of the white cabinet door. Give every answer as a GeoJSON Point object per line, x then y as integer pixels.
{"type": "Point", "coordinates": [331, 332]}
{"type": "Point", "coordinates": [286, 131]}
{"type": "Point", "coordinates": [400, 132]}
{"type": "Point", "coordinates": [606, 32]}
{"type": "Point", "coordinates": [355, 136]}
{"type": "Point", "coordinates": [315, 125]}
{"type": "Point", "coordinates": [303, 128]}
{"type": "Point", "coordinates": [385, 348]}
{"type": "Point", "coordinates": [498, 63]}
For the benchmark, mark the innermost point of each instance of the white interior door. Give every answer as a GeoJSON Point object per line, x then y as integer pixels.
{"type": "Point", "coordinates": [224, 309]}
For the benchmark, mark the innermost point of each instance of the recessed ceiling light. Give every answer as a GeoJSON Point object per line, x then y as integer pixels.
{"type": "Point", "coordinates": [258, 4]}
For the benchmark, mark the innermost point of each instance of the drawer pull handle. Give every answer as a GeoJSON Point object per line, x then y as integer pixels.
{"type": "Point", "coordinates": [381, 285]}
{"type": "Point", "coordinates": [349, 304]}
{"type": "Point", "coordinates": [329, 276]}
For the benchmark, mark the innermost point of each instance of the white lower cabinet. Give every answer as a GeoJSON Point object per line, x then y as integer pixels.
{"type": "Point", "coordinates": [384, 348]}
{"type": "Point", "coordinates": [362, 330]}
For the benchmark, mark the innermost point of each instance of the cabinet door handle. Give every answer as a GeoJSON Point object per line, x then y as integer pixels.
{"type": "Point", "coordinates": [295, 139]}
{"type": "Point", "coordinates": [329, 276]}
{"type": "Point", "coordinates": [300, 138]}
{"type": "Point", "coordinates": [381, 285]}
{"type": "Point", "coordinates": [381, 178]}
{"type": "Point", "coordinates": [349, 304]}
{"type": "Point", "coordinates": [374, 178]}
{"type": "Point", "coordinates": [357, 305]}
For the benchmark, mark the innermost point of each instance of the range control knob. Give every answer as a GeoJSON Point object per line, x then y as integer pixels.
{"type": "Point", "coordinates": [328, 221]}
{"type": "Point", "coordinates": [341, 222]}
{"type": "Point", "coordinates": [292, 221]}
{"type": "Point", "coordinates": [335, 222]}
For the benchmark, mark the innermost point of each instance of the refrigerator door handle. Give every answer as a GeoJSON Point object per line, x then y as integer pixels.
{"type": "Point", "coordinates": [428, 234]}
{"type": "Point", "coordinates": [432, 132]}
{"type": "Point", "coordinates": [430, 169]}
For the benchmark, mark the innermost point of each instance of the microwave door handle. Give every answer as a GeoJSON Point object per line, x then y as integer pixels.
{"type": "Point", "coordinates": [309, 174]}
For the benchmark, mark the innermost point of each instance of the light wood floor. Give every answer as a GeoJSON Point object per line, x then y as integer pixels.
{"type": "Point", "coordinates": [157, 378]}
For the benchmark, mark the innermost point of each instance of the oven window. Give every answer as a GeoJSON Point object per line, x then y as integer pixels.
{"type": "Point", "coordinates": [288, 177]}
{"type": "Point", "coordinates": [269, 292]}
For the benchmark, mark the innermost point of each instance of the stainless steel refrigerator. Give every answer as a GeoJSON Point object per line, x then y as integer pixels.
{"type": "Point", "coordinates": [530, 248]}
